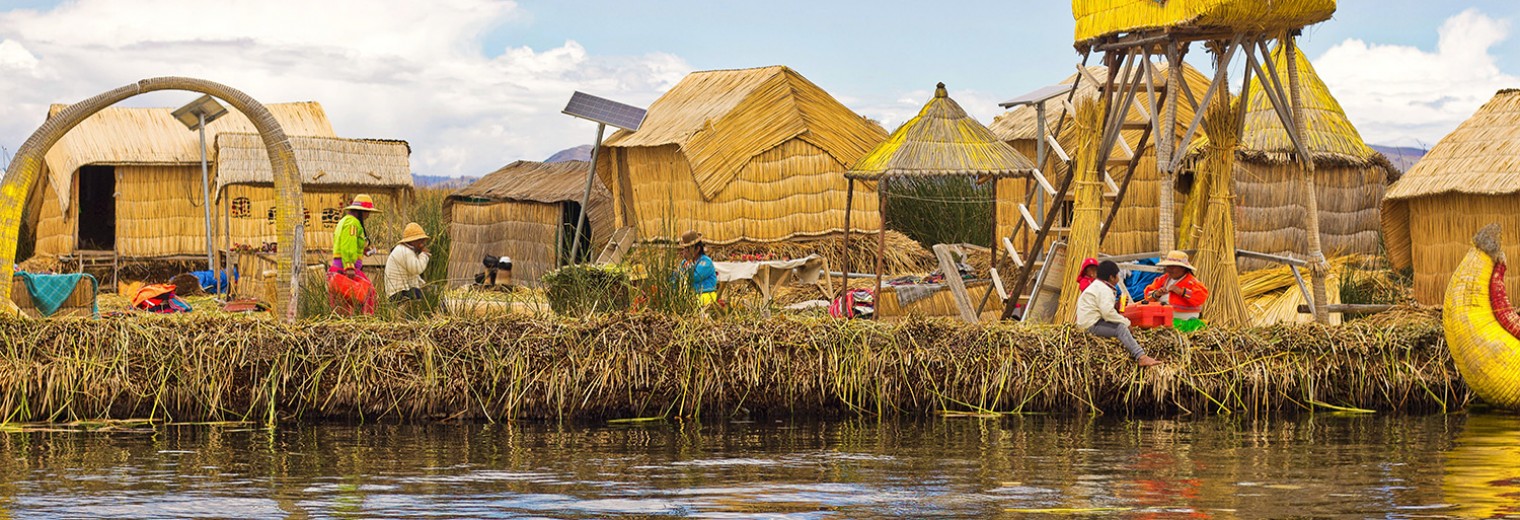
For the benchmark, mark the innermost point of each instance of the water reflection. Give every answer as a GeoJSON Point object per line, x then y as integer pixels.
{"type": "Point", "coordinates": [1356, 466]}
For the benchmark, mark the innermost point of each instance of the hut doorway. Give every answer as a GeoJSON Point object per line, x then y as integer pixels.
{"type": "Point", "coordinates": [567, 243]}
{"type": "Point", "coordinates": [97, 208]}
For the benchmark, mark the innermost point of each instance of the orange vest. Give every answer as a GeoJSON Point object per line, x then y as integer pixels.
{"type": "Point", "coordinates": [1192, 297]}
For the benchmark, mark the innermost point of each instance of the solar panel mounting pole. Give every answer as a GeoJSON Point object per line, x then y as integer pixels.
{"type": "Point", "coordinates": [575, 250]}
{"type": "Point", "coordinates": [196, 116]}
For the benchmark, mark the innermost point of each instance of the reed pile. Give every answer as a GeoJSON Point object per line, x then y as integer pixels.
{"type": "Point", "coordinates": [1216, 243]}
{"type": "Point", "coordinates": [901, 255]}
{"type": "Point", "coordinates": [194, 368]}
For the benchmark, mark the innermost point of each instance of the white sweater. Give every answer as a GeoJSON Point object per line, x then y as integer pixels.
{"type": "Point", "coordinates": [403, 269]}
{"type": "Point", "coordinates": [1097, 303]}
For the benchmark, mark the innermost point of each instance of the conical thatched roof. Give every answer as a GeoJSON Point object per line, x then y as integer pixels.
{"type": "Point", "coordinates": [1480, 157]}
{"type": "Point", "coordinates": [1329, 135]}
{"type": "Point", "coordinates": [1099, 18]}
{"type": "Point", "coordinates": [941, 140]}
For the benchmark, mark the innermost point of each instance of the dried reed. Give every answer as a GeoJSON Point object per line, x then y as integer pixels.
{"type": "Point", "coordinates": [1216, 246]}
{"type": "Point", "coordinates": [1087, 212]}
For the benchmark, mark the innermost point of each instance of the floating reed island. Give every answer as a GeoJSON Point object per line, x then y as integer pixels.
{"type": "Point", "coordinates": [646, 366]}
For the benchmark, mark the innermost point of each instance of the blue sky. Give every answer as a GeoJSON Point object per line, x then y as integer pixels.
{"type": "Point", "coordinates": [474, 84]}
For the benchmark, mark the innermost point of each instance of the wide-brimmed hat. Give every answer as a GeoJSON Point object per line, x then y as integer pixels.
{"type": "Point", "coordinates": [1177, 258]}
{"type": "Point", "coordinates": [362, 202]}
{"type": "Point", "coordinates": [413, 231]}
{"type": "Point", "coordinates": [690, 238]}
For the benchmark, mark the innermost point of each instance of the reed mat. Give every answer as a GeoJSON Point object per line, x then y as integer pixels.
{"type": "Point", "coordinates": [623, 366]}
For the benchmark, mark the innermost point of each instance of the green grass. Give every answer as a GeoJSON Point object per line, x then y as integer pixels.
{"type": "Point", "coordinates": [943, 210]}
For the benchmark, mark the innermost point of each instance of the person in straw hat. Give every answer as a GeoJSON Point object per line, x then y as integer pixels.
{"type": "Point", "coordinates": [404, 267]}
{"type": "Point", "coordinates": [1178, 287]}
{"type": "Point", "coordinates": [350, 245]}
{"type": "Point", "coordinates": [698, 267]}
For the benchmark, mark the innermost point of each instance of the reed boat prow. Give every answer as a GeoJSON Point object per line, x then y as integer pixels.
{"type": "Point", "coordinates": [1482, 328]}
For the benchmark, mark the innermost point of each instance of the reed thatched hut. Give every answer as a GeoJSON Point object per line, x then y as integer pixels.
{"type": "Point", "coordinates": [526, 210]}
{"type": "Point", "coordinates": [127, 182]}
{"type": "Point", "coordinates": [1349, 176]}
{"type": "Point", "coordinates": [1134, 227]}
{"type": "Point", "coordinates": [333, 170]}
{"type": "Point", "coordinates": [751, 155]}
{"type": "Point", "coordinates": [1470, 179]}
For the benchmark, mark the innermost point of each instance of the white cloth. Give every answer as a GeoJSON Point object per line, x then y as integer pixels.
{"type": "Point", "coordinates": [1097, 303]}
{"type": "Point", "coordinates": [403, 269]}
{"type": "Point", "coordinates": [732, 271]}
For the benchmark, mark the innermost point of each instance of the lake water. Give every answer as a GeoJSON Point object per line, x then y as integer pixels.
{"type": "Point", "coordinates": [1458, 466]}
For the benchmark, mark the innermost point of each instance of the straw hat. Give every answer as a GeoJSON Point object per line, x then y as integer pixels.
{"type": "Point", "coordinates": [690, 238]}
{"type": "Point", "coordinates": [412, 232]}
{"type": "Point", "coordinates": [362, 202]}
{"type": "Point", "coordinates": [1177, 258]}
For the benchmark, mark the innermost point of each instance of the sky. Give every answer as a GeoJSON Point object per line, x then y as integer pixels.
{"type": "Point", "coordinates": [476, 84]}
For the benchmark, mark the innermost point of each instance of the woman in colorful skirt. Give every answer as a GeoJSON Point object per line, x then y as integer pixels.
{"type": "Point", "coordinates": [347, 285]}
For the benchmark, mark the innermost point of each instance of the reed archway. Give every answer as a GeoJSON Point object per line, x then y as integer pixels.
{"type": "Point", "coordinates": [28, 162]}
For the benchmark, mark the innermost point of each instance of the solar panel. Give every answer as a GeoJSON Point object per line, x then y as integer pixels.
{"type": "Point", "coordinates": [1041, 94]}
{"type": "Point", "coordinates": [587, 106]}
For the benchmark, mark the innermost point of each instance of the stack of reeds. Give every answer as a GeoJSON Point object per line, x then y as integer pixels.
{"type": "Point", "coordinates": [1272, 295]}
{"type": "Point", "coordinates": [1215, 260]}
{"type": "Point", "coordinates": [902, 255]}
{"type": "Point", "coordinates": [1087, 212]}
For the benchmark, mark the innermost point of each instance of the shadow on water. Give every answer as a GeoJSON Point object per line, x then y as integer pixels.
{"type": "Point", "coordinates": [1352, 465]}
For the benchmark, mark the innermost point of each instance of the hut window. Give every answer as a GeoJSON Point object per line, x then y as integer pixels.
{"type": "Point", "coordinates": [330, 217]}
{"type": "Point", "coordinates": [242, 207]}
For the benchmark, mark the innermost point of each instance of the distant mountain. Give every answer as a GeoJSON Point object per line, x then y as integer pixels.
{"type": "Point", "coordinates": [1402, 157]}
{"type": "Point", "coordinates": [440, 182]}
{"type": "Point", "coordinates": [579, 153]}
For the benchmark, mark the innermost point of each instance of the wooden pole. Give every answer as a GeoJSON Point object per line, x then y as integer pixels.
{"type": "Point", "coordinates": [992, 250]}
{"type": "Point", "coordinates": [849, 204]}
{"type": "Point", "coordinates": [881, 234]}
{"type": "Point", "coordinates": [1317, 263]}
{"type": "Point", "coordinates": [1166, 236]}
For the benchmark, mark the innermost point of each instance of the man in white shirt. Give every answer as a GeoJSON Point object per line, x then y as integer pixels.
{"type": "Point", "coordinates": [1098, 313]}
{"type": "Point", "coordinates": [404, 267]}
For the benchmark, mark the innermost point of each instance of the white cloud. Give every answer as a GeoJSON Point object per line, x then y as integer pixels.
{"type": "Point", "coordinates": [980, 105]}
{"type": "Point", "coordinates": [1403, 95]}
{"type": "Point", "coordinates": [381, 68]}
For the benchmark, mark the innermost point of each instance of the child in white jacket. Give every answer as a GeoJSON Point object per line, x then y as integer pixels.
{"type": "Point", "coordinates": [1098, 313]}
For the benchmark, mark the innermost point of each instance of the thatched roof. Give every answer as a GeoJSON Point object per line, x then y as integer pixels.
{"type": "Point", "coordinates": [535, 181]}
{"type": "Point", "coordinates": [151, 136]}
{"type": "Point", "coordinates": [941, 140]}
{"type": "Point", "coordinates": [324, 161]}
{"type": "Point", "coordinates": [1099, 18]}
{"type": "Point", "coordinates": [1019, 123]}
{"type": "Point", "coordinates": [1480, 157]}
{"type": "Point", "coordinates": [1329, 135]}
{"type": "Point", "coordinates": [722, 118]}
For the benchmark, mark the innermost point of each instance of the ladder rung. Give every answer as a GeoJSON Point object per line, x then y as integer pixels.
{"type": "Point", "coordinates": [1012, 253]}
{"type": "Point", "coordinates": [1029, 220]}
{"type": "Point", "coordinates": [1135, 125]}
{"type": "Point", "coordinates": [1044, 184]}
{"type": "Point", "coordinates": [1056, 145]}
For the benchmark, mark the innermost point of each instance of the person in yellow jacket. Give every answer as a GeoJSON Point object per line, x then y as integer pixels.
{"type": "Point", "coordinates": [347, 285]}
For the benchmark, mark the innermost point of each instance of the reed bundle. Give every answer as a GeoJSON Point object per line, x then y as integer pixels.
{"type": "Point", "coordinates": [902, 254]}
{"type": "Point", "coordinates": [1216, 245]}
{"type": "Point", "coordinates": [1087, 212]}
{"type": "Point", "coordinates": [1272, 295]}
{"type": "Point", "coordinates": [193, 368]}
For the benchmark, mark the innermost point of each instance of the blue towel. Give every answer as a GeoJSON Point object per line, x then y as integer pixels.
{"type": "Point", "coordinates": [49, 291]}
{"type": "Point", "coordinates": [1138, 280]}
{"type": "Point", "coordinates": [209, 283]}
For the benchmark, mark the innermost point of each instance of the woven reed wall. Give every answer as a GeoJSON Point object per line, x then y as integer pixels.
{"type": "Point", "coordinates": [525, 231]}
{"type": "Point", "coordinates": [1270, 215]}
{"type": "Point", "coordinates": [81, 302]}
{"type": "Point", "coordinates": [1441, 228]}
{"type": "Point", "coordinates": [252, 223]}
{"type": "Point", "coordinates": [158, 211]}
{"type": "Point", "coordinates": [793, 190]}
{"type": "Point", "coordinates": [54, 232]}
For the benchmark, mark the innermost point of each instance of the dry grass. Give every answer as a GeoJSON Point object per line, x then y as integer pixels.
{"type": "Point", "coordinates": [192, 368]}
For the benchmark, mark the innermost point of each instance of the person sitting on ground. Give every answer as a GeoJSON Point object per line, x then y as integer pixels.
{"type": "Point", "coordinates": [1178, 287]}
{"type": "Point", "coordinates": [350, 245]}
{"type": "Point", "coordinates": [1098, 313]}
{"type": "Point", "coordinates": [1088, 273]}
{"type": "Point", "coordinates": [404, 267]}
{"type": "Point", "coordinates": [701, 273]}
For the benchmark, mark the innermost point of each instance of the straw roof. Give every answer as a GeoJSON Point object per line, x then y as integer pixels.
{"type": "Point", "coordinates": [151, 136]}
{"type": "Point", "coordinates": [1329, 135]}
{"type": "Point", "coordinates": [535, 181]}
{"type": "Point", "coordinates": [1099, 18]}
{"type": "Point", "coordinates": [941, 140]}
{"type": "Point", "coordinates": [1480, 157]}
{"type": "Point", "coordinates": [324, 161]}
{"type": "Point", "coordinates": [720, 119]}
